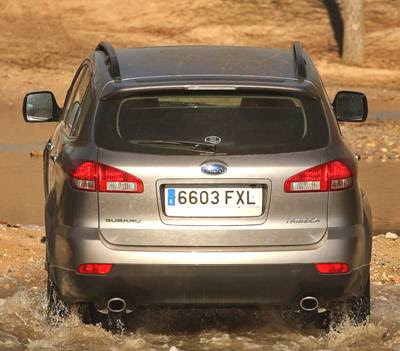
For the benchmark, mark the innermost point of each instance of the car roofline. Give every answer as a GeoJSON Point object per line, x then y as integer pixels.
{"type": "Point", "coordinates": [112, 60]}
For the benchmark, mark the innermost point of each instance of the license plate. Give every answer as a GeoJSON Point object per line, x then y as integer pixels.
{"type": "Point", "coordinates": [224, 201]}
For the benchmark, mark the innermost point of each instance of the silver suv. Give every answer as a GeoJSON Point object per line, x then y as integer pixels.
{"type": "Point", "coordinates": [203, 176]}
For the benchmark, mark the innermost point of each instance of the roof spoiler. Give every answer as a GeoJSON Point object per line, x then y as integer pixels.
{"type": "Point", "coordinates": [111, 59]}
{"type": "Point", "coordinates": [300, 63]}
{"type": "Point", "coordinates": [113, 64]}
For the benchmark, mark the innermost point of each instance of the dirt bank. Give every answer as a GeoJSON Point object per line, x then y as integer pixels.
{"type": "Point", "coordinates": [42, 48]}
{"type": "Point", "coordinates": [374, 139]}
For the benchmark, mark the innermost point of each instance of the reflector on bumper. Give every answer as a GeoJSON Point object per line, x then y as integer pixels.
{"type": "Point", "coordinates": [332, 268]}
{"type": "Point", "coordinates": [94, 268]}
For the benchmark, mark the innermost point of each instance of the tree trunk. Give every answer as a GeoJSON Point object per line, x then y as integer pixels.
{"type": "Point", "coordinates": [353, 46]}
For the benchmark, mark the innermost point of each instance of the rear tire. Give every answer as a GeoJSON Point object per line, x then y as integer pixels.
{"type": "Point", "coordinates": [57, 310]}
{"type": "Point", "coordinates": [359, 308]}
{"type": "Point", "coordinates": [355, 310]}
{"type": "Point", "coordinates": [87, 313]}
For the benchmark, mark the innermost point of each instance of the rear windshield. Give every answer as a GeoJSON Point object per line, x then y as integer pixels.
{"type": "Point", "coordinates": [212, 124]}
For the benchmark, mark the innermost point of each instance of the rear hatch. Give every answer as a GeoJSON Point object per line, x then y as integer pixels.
{"type": "Point", "coordinates": [210, 170]}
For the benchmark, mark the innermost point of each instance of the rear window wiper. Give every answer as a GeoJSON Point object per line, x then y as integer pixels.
{"type": "Point", "coordinates": [189, 145]}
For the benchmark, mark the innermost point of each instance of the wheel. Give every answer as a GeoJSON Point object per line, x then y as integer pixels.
{"type": "Point", "coordinates": [355, 310]}
{"type": "Point", "coordinates": [300, 319]}
{"type": "Point", "coordinates": [116, 323]}
{"type": "Point", "coordinates": [359, 309]}
{"type": "Point", "coordinates": [87, 313]}
{"type": "Point", "coordinates": [57, 310]}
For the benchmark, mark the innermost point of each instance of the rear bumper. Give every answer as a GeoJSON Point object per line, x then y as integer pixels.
{"type": "Point", "coordinates": [279, 276]}
{"type": "Point", "coordinates": [146, 285]}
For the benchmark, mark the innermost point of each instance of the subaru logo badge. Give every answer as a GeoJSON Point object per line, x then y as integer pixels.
{"type": "Point", "coordinates": [213, 139]}
{"type": "Point", "coordinates": [213, 168]}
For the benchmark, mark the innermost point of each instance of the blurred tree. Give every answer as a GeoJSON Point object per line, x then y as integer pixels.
{"type": "Point", "coordinates": [353, 45]}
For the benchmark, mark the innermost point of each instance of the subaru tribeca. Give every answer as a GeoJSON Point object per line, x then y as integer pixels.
{"type": "Point", "coordinates": [203, 176]}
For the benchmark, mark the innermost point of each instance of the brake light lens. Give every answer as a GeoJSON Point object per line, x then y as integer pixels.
{"type": "Point", "coordinates": [84, 177]}
{"type": "Point", "coordinates": [93, 176]}
{"type": "Point", "coordinates": [332, 268]}
{"type": "Point", "coordinates": [94, 268]}
{"type": "Point", "coordinates": [331, 176]}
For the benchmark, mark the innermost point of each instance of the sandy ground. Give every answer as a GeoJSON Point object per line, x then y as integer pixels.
{"type": "Point", "coordinates": [41, 49]}
{"type": "Point", "coordinates": [385, 260]}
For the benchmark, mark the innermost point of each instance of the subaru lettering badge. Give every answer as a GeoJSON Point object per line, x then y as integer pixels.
{"type": "Point", "coordinates": [213, 168]}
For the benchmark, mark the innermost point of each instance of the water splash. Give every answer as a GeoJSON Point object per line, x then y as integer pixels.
{"type": "Point", "coordinates": [23, 326]}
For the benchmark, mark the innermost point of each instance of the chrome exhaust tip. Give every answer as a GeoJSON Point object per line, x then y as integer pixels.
{"type": "Point", "coordinates": [116, 305]}
{"type": "Point", "coordinates": [309, 303]}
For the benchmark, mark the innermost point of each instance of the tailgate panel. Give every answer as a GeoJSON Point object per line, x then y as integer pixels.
{"type": "Point", "coordinates": [140, 219]}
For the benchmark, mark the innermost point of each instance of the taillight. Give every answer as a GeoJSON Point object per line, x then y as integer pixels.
{"type": "Point", "coordinates": [332, 268]}
{"type": "Point", "coordinates": [94, 268]}
{"type": "Point", "coordinates": [331, 176]}
{"type": "Point", "coordinates": [93, 176]}
{"type": "Point", "coordinates": [85, 176]}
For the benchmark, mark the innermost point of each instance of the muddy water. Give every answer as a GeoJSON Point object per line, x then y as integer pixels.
{"type": "Point", "coordinates": [23, 326]}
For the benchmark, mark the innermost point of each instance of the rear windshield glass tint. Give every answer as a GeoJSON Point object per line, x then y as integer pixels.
{"type": "Point", "coordinates": [219, 124]}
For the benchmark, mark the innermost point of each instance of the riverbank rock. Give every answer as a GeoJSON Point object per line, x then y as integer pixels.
{"type": "Point", "coordinates": [390, 235]}
{"type": "Point", "coordinates": [35, 153]}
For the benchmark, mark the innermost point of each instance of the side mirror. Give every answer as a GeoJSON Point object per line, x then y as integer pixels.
{"type": "Point", "coordinates": [350, 106]}
{"type": "Point", "coordinates": [40, 106]}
